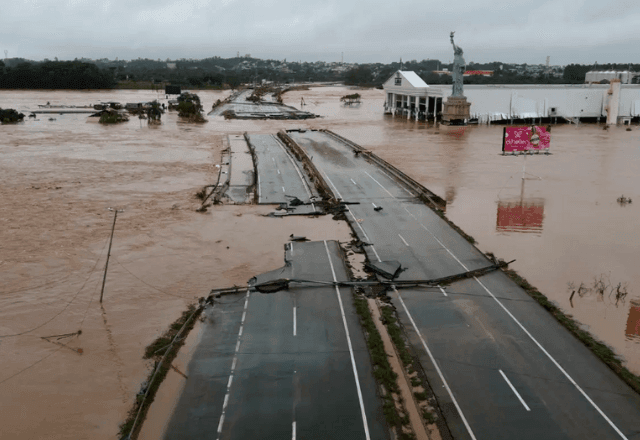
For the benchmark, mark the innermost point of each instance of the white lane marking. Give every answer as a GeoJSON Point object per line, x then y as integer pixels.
{"type": "Point", "coordinates": [293, 428]}
{"type": "Point", "coordinates": [597, 408]}
{"type": "Point", "coordinates": [294, 320]}
{"type": "Point", "coordinates": [504, 376]}
{"type": "Point", "coordinates": [291, 248]}
{"type": "Point", "coordinates": [353, 181]}
{"type": "Point", "coordinates": [278, 171]}
{"type": "Point", "coordinates": [283, 189]}
{"type": "Point", "coordinates": [233, 367]}
{"type": "Point", "coordinates": [379, 184]}
{"type": "Point", "coordinates": [374, 205]}
{"type": "Point", "coordinates": [554, 362]}
{"type": "Point", "coordinates": [273, 160]}
{"type": "Point", "coordinates": [403, 240]}
{"type": "Point", "coordinates": [353, 361]}
{"type": "Point", "coordinates": [442, 290]}
{"type": "Point", "coordinates": [393, 180]}
{"type": "Point", "coordinates": [435, 364]}
{"type": "Point", "coordinates": [259, 188]}
{"type": "Point", "coordinates": [306, 185]}
{"type": "Point", "coordinates": [354, 217]}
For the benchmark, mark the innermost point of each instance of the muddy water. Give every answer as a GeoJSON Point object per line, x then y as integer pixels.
{"type": "Point", "coordinates": [58, 177]}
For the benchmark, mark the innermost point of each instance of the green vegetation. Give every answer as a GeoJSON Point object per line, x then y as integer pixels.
{"type": "Point", "coordinates": [189, 107]}
{"type": "Point", "coordinates": [156, 351]}
{"type": "Point", "coordinates": [10, 115]}
{"type": "Point", "coordinates": [55, 75]}
{"type": "Point", "coordinates": [598, 348]}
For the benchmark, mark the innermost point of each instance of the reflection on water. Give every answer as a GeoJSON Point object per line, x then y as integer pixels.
{"type": "Point", "coordinates": [520, 216]}
{"type": "Point", "coordinates": [633, 322]}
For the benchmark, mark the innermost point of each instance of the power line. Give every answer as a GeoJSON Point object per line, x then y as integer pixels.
{"type": "Point", "coordinates": [61, 311]}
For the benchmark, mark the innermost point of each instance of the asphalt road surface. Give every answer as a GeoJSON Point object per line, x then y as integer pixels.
{"type": "Point", "coordinates": [278, 174]}
{"type": "Point", "coordinates": [500, 365]}
{"type": "Point", "coordinates": [287, 365]}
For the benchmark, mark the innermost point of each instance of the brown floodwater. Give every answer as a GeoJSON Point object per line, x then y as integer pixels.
{"type": "Point", "coordinates": [562, 225]}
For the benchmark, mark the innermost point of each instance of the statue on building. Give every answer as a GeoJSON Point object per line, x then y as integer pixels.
{"type": "Point", "coordinates": [459, 67]}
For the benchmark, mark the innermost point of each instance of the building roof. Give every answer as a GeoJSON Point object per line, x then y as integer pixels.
{"type": "Point", "coordinates": [413, 78]}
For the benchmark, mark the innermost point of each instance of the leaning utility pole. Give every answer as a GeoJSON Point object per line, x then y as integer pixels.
{"type": "Point", "coordinates": [104, 278]}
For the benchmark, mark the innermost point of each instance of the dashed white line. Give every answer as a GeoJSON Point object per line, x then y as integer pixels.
{"type": "Point", "coordinates": [230, 381]}
{"type": "Point", "coordinates": [220, 424]}
{"type": "Point", "coordinates": [244, 315]}
{"type": "Point", "coordinates": [353, 181]}
{"type": "Point", "coordinates": [374, 205]}
{"type": "Point", "coordinates": [403, 240]}
{"type": "Point", "coordinates": [233, 365]}
{"type": "Point", "coordinates": [353, 361]}
{"type": "Point", "coordinates": [306, 185]}
{"type": "Point", "coordinates": [283, 189]}
{"type": "Point", "coordinates": [278, 171]}
{"type": "Point", "coordinates": [293, 429]}
{"type": "Point", "coordinates": [237, 346]}
{"type": "Point", "coordinates": [226, 401]}
{"type": "Point", "coordinates": [442, 290]}
{"type": "Point", "coordinates": [514, 391]}
{"type": "Point", "coordinates": [240, 333]}
{"type": "Point", "coordinates": [354, 217]}
{"type": "Point", "coordinates": [435, 364]}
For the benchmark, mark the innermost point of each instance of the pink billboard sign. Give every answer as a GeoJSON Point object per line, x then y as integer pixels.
{"type": "Point", "coordinates": [532, 138]}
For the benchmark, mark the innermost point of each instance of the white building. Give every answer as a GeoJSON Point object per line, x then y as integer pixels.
{"type": "Point", "coordinates": [414, 99]}
{"type": "Point", "coordinates": [595, 76]}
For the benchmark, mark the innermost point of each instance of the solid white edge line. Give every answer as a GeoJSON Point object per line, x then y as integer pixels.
{"type": "Point", "coordinates": [554, 362]}
{"type": "Point", "coordinates": [379, 184]}
{"type": "Point", "coordinates": [435, 364]}
{"type": "Point", "coordinates": [294, 320]}
{"type": "Point", "coordinates": [562, 370]}
{"type": "Point", "coordinates": [403, 240]}
{"type": "Point", "coordinates": [259, 188]}
{"type": "Point", "coordinates": [504, 376]}
{"type": "Point", "coordinates": [352, 215]}
{"type": "Point", "coordinates": [306, 185]}
{"type": "Point", "coordinates": [293, 429]}
{"type": "Point", "coordinates": [353, 360]}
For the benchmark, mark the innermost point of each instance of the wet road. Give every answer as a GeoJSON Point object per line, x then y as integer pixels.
{"type": "Point", "coordinates": [501, 366]}
{"type": "Point", "coordinates": [291, 364]}
{"type": "Point", "coordinates": [279, 176]}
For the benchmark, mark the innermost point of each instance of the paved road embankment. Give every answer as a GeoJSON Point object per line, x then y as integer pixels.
{"type": "Point", "coordinates": [291, 364]}
{"type": "Point", "coordinates": [501, 366]}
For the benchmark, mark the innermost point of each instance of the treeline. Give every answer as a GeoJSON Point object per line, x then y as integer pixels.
{"type": "Point", "coordinates": [55, 75]}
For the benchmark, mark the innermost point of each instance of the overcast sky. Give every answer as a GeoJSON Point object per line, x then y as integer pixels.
{"type": "Point", "coordinates": [515, 31]}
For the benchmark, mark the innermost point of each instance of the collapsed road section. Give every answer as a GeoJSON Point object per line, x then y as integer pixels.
{"type": "Point", "coordinates": [500, 365]}
{"type": "Point", "coordinates": [291, 364]}
{"type": "Point", "coordinates": [239, 107]}
{"type": "Point", "coordinates": [280, 179]}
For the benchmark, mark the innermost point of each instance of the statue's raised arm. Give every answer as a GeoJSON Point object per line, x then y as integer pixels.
{"type": "Point", "coordinates": [457, 50]}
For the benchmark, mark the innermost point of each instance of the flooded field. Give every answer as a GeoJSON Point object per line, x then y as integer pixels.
{"type": "Point", "coordinates": [60, 174]}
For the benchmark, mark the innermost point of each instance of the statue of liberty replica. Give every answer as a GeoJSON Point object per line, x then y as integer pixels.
{"type": "Point", "coordinates": [456, 108]}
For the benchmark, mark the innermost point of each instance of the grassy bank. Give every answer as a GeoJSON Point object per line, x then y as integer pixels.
{"type": "Point", "coordinates": [164, 349]}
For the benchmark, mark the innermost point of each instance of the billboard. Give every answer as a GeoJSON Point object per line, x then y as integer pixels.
{"type": "Point", "coordinates": [520, 216]}
{"type": "Point", "coordinates": [534, 138]}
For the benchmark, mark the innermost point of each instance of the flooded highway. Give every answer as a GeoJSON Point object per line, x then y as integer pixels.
{"type": "Point", "coordinates": [60, 174]}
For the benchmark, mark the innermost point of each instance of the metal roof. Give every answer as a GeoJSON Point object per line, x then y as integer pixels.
{"type": "Point", "coordinates": [413, 78]}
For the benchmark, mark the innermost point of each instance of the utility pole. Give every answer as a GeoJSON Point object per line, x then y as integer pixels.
{"type": "Point", "coordinates": [104, 278]}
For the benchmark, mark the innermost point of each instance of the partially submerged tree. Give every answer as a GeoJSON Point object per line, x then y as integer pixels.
{"type": "Point", "coordinates": [189, 107]}
{"type": "Point", "coordinates": [351, 99]}
{"type": "Point", "coordinates": [10, 115]}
